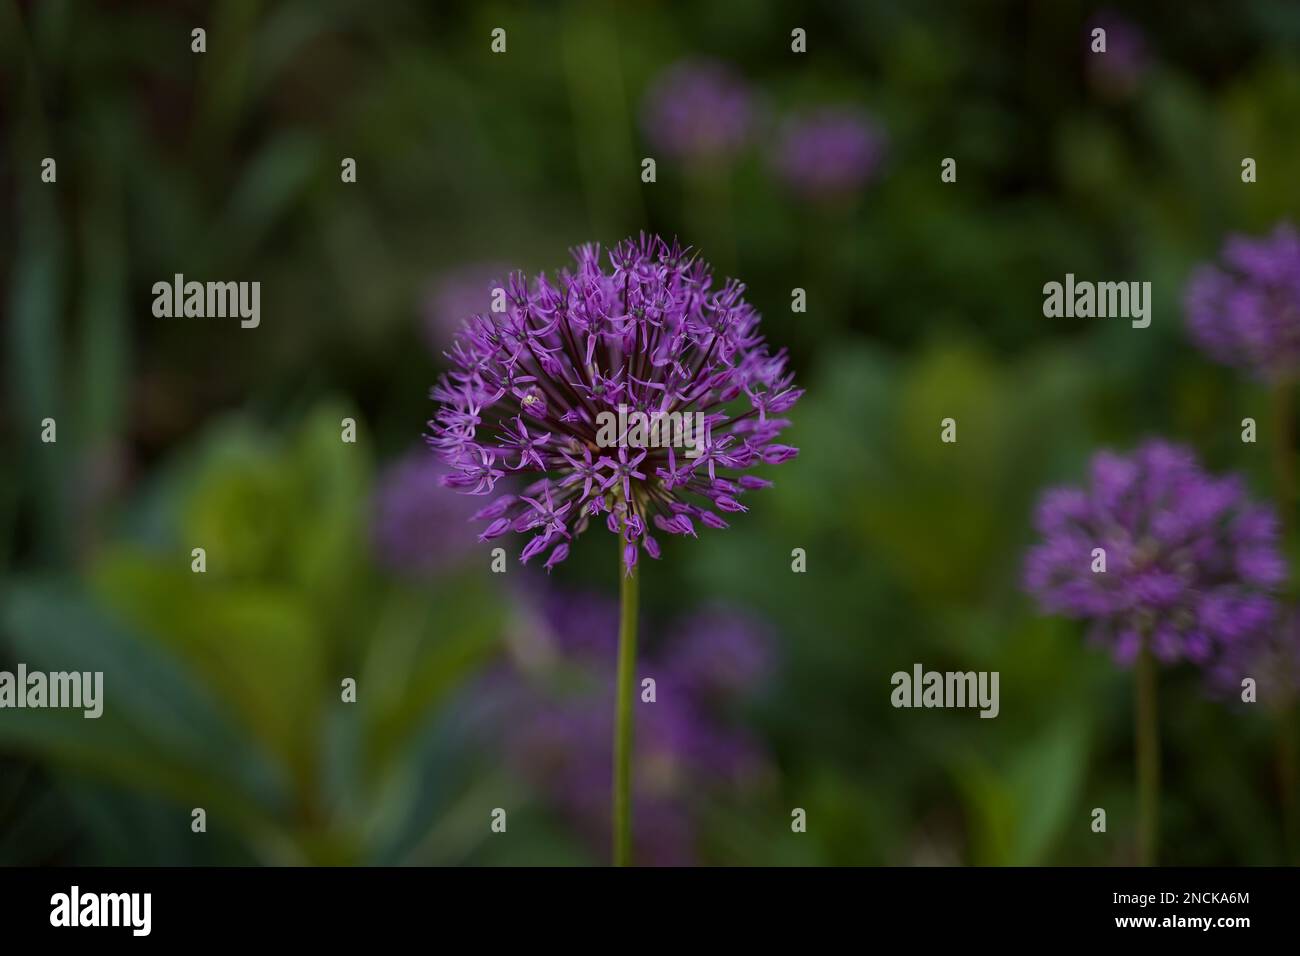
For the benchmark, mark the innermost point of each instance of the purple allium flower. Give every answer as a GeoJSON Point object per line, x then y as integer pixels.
{"type": "Point", "coordinates": [559, 733]}
{"type": "Point", "coordinates": [698, 110]}
{"type": "Point", "coordinates": [829, 154]}
{"type": "Point", "coordinates": [1118, 71]}
{"type": "Point", "coordinates": [1246, 313]}
{"type": "Point", "coordinates": [455, 296]}
{"type": "Point", "coordinates": [533, 391]}
{"type": "Point", "coordinates": [410, 512]}
{"type": "Point", "coordinates": [1191, 564]}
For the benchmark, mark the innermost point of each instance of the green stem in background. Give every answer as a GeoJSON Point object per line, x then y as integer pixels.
{"type": "Point", "coordinates": [1148, 758]}
{"type": "Point", "coordinates": [709, 202]}
{"type": "Point", "coordinates": [36, 295]}
{"type": "Point", "coordinates": [1284, 479]}
{"type": "Point", "coordinates": [623, 715]}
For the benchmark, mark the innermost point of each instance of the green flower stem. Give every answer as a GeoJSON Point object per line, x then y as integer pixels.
{"type": "Point", "coordinates": [1148, 758]}
{"type": "Point", "coordinates": [623, 716]}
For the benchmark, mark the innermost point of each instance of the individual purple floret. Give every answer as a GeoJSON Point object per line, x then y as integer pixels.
{"type": "Point", "coordinates": [699, 110]}
{"type": "Point", "coordinates": [1117, 71]}
{"type": "Point", "coordinates": [829, 154]}
{"type": "Point", "coordinates": [410, 514]}
{"type": "Point", "coordinates": [559, 732]}
{"type": "Point", "coordinates": [1190, 563]}
{"type": "Point", "coordinates": [539, 389]}
{"type": "Point", "coordinates": [455, 296]}
{"type": "Point", "coordinates": [1246, 312]}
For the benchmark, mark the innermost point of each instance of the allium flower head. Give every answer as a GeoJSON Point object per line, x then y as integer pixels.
{"type": "Point", "coordinates": [1190, 563]}
{"type": "Point", "coordinates": [1246, 313]}
{"type": "Point", "coordinates": [829, 154]}
{"type": "Point", "coordinates": [699, 110]}
{"type": "Point", "coordinates": [531, 391]}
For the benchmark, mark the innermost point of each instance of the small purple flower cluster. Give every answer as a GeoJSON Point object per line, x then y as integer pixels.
{"type": "Point", "coordinates": [699, 110]}
{"type": "Point", "coordinates": [702, 111]}
{"type": "Point", "coordinates": [1246, 313]}
{"type": "Point", "coordinates": [830, 153]}
{"type": "Point", "coordinates": [1191, 565]}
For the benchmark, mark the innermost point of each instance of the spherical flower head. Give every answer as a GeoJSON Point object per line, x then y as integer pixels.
{"type": "Point", "coordinates": [699, 110]}
{"type": "Point", "coordinates": [829, 154]}
{"type": "Point", "coordinates": [1190, 564]}
{"type": "Point", "coordinates": [1246, 311]}
{"type": "Point", "coordinates": [410, 511]}
{"type": "Point", "coordinates": [1118, 71]}
{"type": "Point", "coordinates": [640, 396]}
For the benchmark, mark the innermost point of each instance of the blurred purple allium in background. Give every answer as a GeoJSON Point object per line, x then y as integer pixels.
{"type": "Point", "coordinates": [829, 153]}
{"type": "Point", "coordinates": [1246, 312]}
{"type": "Point", "coordinates": [715, 652]}
{"type": "Point", "coordinates": [412, 515]}
{"type": "Point", "coordinates": [1271, 658]}
{"type": "Point", "coordinates": [454, 297]}
{"type": "Point", "coordinates": [559, 733]}
{"type": "Point", "coordinates": [699, 110]}
{"type": "Point", "coordinates": [1190, 561]}
{"type": "Point", "coordinates": [718, 652]}
{"type": "Point", "coordinates": [1119, 70]}
{"type": "Point", "coordinates": [653, 333]}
